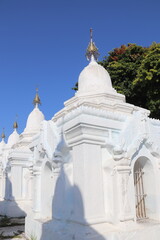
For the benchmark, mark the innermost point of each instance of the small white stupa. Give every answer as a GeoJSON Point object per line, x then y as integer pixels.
{"type": "Point", "coordinates": [35, 117]}
{"type": "Point", "coordinates": [19, 162]}
{"type": "Point", "coordinates": [14, 137]}
{"type": "Point", "coordinates": [2, 168]}
{"type": "Point", "coordinates": [2, 143]}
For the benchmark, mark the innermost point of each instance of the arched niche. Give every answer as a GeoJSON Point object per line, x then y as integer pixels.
{"type": "Point", "coordinates": [145, 191]}
{"type": "Point", "coordinates": [47, 191]}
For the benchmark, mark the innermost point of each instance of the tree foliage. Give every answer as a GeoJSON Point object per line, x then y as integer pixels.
{"type": "Point", "coordinates": [135, 72]}
{"type": "Point", "coordinates": [148, 80]}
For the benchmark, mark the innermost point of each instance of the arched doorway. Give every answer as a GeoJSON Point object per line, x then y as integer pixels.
{"type": "Point", "coordinates": [144, 183]}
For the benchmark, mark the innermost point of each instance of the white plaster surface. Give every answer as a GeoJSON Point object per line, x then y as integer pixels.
{"type": "Point", "coordinates": [94, 79]}
{"type": "Point", "coordinates": [34, 120]}
{"type": "Point", "coordinates": [13, 138]}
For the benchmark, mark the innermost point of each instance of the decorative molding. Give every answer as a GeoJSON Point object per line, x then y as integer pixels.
{"type": "Point", "coordinates": [91, 111]}
{"type": "Point", "coordinates": [155, 122]}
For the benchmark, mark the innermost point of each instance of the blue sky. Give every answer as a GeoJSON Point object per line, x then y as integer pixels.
{"type": "Point", "coordinates": [43, 43]}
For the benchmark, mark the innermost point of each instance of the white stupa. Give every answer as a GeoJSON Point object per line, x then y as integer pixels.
{"type": "Point", "coordinates": [33, 123]}
{"type": "Point", "coordinates": [18, 155]}
{"type": "Point", "coordinates": [94, 78]}
{"type": "Point", "coordinates": [14, 137]}
{"type": "Point", "coordinates": [35, 117]}
{"type": "Point", "coordinates": [2, 143]}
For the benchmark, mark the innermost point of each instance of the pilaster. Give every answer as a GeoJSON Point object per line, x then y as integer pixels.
{"type": "Point", "coordinates": [86, 140]}
{"type": "Point", "coordinates": [37, 191]}
{"type": "Point", "coordinates": [124, 197]}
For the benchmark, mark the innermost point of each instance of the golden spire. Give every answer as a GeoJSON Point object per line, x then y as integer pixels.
{"type": "Point", "coordinates": [92, 50]}
{"type": "Point", "coordinates": [15, 124]}
{"type": "Point", "coordinates": [3, 134]}
{"type": "Point", "coordinates": [36, 100]}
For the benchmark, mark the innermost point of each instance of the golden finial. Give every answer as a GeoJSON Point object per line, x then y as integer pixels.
{"type": "Point", "coordinates": [15, 124]}
{"type": "Point", "coordinates": [91, 33]}
{"type": "Point", "coordinates": [3, 134]}
{"type": "Point", "coordinates": [92, 50]}
{"type": "Point", "coordinates": [36, 100]}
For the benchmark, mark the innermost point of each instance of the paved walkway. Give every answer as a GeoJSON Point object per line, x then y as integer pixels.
{"type": "Point", "coordinates": [12, 228]}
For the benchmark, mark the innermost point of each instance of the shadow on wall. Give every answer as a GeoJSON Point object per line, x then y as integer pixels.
{"type": "Point", "coordinates": [68, 217]}
{"type": "Point", "coordinates": [8, 206]}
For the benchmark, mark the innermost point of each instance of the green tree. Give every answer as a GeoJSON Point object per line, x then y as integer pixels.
{"type": "Point", "coordinates": [135, 72]}
{"type": "Point", "coordinates": [122, 65]}
{"type": "Point", "coordinates": [147, 82]}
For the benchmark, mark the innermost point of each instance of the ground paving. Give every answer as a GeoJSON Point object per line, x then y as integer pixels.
{"type": "Point", "coordinates": [12, 228]}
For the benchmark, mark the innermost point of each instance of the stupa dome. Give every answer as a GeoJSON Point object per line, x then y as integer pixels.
{"type": "Point", "coordinates": [94, 79]}
{"type": "Point", "coordinates": [34, 120]}
{"type": "Point", "coordinates": [13, 138]}
{"type": "Point", "coordinates": [2, 144]}
{"type": "Point", "coordinates": [35, 117]}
